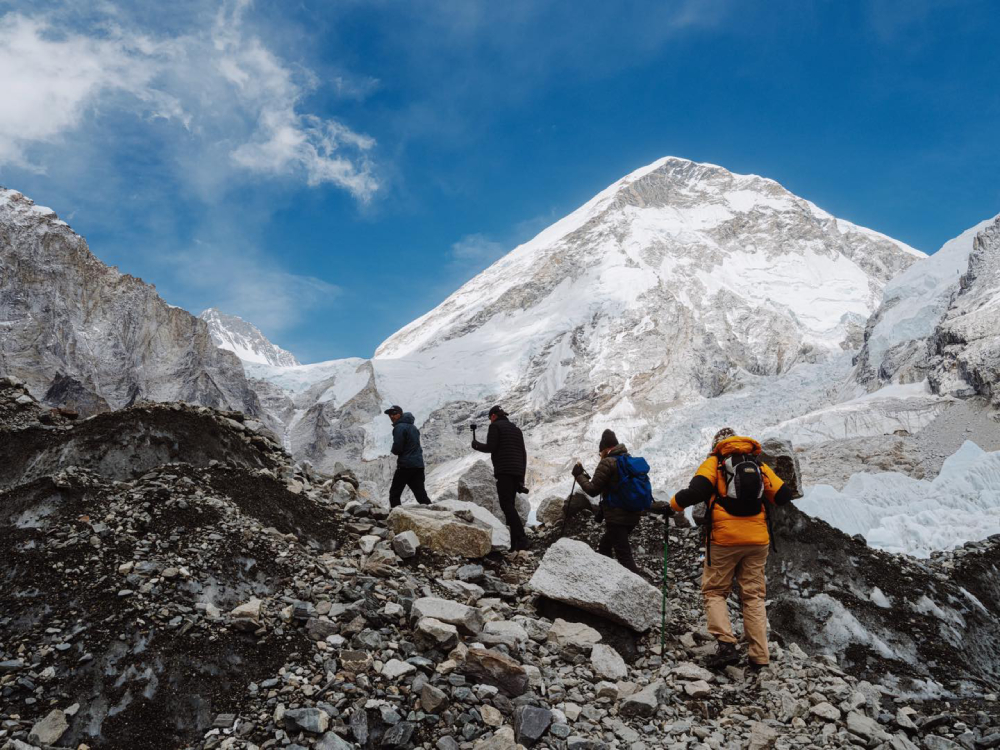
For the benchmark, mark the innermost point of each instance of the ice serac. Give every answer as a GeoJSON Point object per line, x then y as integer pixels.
{"type": "Point", "coordinates": [680, 282]}
{"type": "Point", "coordinates": [245, 340]}
{"type": "Point", "coordinates": [84, 335]}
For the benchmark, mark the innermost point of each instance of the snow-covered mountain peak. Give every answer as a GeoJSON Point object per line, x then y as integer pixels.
{"type": "Point", "coordinates": [245, 340]}
{"type": "Point", "coordinates": [681, 233]}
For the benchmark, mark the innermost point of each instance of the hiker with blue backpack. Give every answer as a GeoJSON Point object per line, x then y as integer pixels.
{"type": "Point", "coordinates": [622, 481]}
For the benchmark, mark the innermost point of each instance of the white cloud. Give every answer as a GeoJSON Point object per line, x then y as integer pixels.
{"type": "Point", "coordinates": [237, 106]}
{"type": "Point", "coordinates": [476, 249]}
{"type": "Point", "coordinates": [241, 281]}
{"type": "Point", "coordinates": [48, 82]}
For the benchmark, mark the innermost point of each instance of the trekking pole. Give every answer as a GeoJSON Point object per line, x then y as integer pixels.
{"type": "Point", "coordinates": [663, 604]}
{"type": "Point", "coordinates": [569, 497]}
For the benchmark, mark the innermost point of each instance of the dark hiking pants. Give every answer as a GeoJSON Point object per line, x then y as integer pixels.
{"type": "Point", "coordinates": [507, 486]}
{"type": "Point", "coordinates": [615, 544]}
{"type": "Point", "coordinates": [412, 478]}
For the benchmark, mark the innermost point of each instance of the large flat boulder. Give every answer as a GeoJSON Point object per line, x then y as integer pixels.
{"type": "Point", "coordinates": [480, 516]}
{"type": "Point", "coordinates": [573, 573]}
{"type": "Point", "coordinates": [479, 486]}
{"type": "Point", "coordinates": [444, 531]}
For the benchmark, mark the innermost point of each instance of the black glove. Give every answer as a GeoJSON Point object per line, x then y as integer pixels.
{"type": "Point", "coordinates": [578, 470]}
{"type": "Point", "coordinates": [661, 508]}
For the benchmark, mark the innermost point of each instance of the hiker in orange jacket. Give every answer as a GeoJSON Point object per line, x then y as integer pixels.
{"type": "Point", "coordinates": [737, 489]}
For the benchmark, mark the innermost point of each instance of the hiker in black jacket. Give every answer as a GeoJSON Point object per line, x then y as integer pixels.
{"type": "Point", "coordinates": [409, 458]}
{"type": "Point", "coordinates": [505, 444]}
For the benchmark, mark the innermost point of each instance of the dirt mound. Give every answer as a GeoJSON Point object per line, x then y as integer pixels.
{"type": "Point", "coordinates": [125, 444]}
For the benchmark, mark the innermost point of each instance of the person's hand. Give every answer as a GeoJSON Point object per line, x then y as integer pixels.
{"type": "Point", "coordinates": [578, 470]}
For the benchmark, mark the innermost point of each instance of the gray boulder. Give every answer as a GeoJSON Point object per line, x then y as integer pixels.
{"type": "Point", "coordinates": [573, 573]}
{"type": "Point", "coordinates": [442, 530]}
{"type": "Point", "coordinates": [478, 486]}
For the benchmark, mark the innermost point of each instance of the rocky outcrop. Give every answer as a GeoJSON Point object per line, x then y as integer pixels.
{"type": "Point", "coordinates": [499, 533]}
{"type": "Point", "coordinates": [573, 573]}
{"type": "Point", "coordinates": [966, 344]}
{"type": "Point", "coordinates": [939, 320]}
{"type": "Point", "coordinates": [83, 335]}
{"type": "Point", "coordinates": [780, 455]}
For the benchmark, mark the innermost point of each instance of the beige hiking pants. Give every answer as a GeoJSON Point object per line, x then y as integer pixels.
{"type": "Point", "coordinates": [745, 563]}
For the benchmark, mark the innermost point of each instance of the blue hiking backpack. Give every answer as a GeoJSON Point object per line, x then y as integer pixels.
{"type": "Point", "coordinates": [634, 491]}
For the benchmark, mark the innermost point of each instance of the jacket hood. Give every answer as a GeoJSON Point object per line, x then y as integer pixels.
{"type": "Point", "coordinates": [618, 450]}
{"type": "Point", "coordinates": [737, 444]}
{"type": "Point", "coordinates": [407, 418]}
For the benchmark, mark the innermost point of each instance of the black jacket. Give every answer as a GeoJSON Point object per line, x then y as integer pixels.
{"type": "Point", "coordinates": [505, 444]}
{"type": "Point", "coordinates": [406, 443]}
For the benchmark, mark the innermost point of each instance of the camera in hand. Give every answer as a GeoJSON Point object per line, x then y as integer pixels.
{"type": "Point", "coordinates": [473, 427]}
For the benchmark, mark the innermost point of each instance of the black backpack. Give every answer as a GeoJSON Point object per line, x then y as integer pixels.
{"type": "Point", "coordinates": [744, 485]}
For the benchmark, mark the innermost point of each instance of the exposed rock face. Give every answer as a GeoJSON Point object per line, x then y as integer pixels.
{"type": "Point", "coordinates": [499, 532]}
{"type": "Point", "coordinates": [781, 457]}
{"type": "Point", "coordinates": [832, 593]}
{"type": "Point", "coordinates": [83, 335]}
{"type": "Point", "coordinates": [966, 344]}
{"type": "Point", "coordinates": [571, 572]}
{"type": "Point", "coordinates": [939, 320]}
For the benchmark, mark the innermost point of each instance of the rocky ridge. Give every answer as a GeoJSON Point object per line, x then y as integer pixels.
{"type": "Point", "coordinates": [227, 598]}
{"type": "Point", "coordinates": [84, 336]}
{"type": "Point", "coordinates": [939, 321]}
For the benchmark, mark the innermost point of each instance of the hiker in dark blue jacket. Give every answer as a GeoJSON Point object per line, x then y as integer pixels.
{"type": "Point", "coordinates": [409, 458]}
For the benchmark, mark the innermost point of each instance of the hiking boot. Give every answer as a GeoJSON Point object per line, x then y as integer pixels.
{"type": "Point", "coordinates": [522, 490]}
{"type": "Point", "coordinates": [754, 667]}
{"type": "Point", "coordinates": [520, 545]}
{"type": "Point", "coordinates": [725, 654]}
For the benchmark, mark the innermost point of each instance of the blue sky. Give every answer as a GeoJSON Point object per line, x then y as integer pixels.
{"type": "Point", "coordinates": [332, 170]}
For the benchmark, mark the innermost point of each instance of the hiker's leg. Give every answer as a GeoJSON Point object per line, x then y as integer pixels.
{"type": "Point", "coordinates": [716, 583]}
{"type": "Point", "coordinates": [605, 546]}
{"type": "Point", "coordinates": [415, 481]}
{"type": "Point", "coordinates": [618, 535]}
{"type": "Point", "coordinates": [396, 489]}
{"type": "Point", "coordinates": [753, 582]}
{"type": "Point", "coordinates": [507, 493]}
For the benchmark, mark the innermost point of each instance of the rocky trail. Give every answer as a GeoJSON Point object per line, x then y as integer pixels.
{"type": "Point", "coordinates": [170, 579]}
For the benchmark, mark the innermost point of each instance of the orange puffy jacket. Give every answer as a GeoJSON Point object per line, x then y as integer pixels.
{"type": "Point", "coordinates": [710, 481]}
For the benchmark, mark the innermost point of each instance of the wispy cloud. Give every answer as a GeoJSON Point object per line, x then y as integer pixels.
{"type": "Point", "coordinates": [234, 104]}
{"type": "Point", "coordinates": [476, 249]}
{"type": "Point", "coordinates": [242, 281]}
